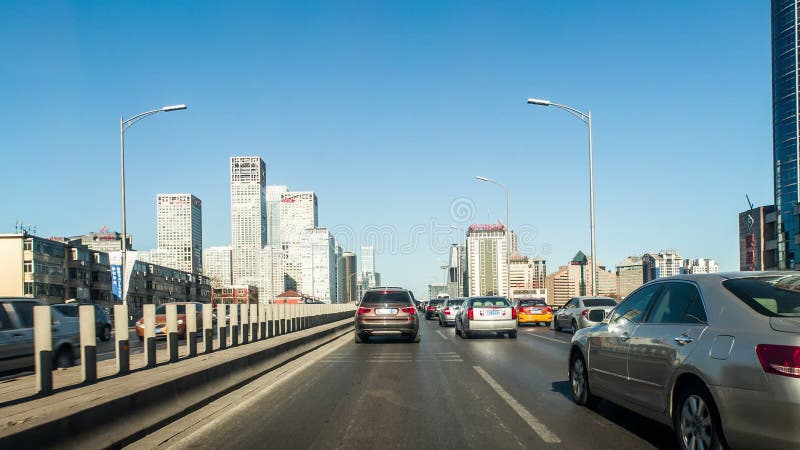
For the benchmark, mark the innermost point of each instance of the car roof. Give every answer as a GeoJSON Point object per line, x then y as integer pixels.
{"type": "Point", "coordinates": [387, 288]}
{"type": "Point", "coordinates": [20, 299]}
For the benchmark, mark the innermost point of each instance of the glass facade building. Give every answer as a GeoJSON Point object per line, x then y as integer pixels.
{"type": "Point", "coordinates": [785, 127]}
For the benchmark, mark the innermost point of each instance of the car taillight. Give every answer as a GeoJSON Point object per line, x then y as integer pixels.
{"type": "Point", "coordinates": [363, 310]}
{"type": "Point", "coordinates": [779, 359]}
{"type": "Point", "coordinates": [447, 310]}
{"type": "Point", "coordinates": [431, 308]}
{"type": "Point", "coordinates": [548, 310]}
{"type": "Point", "coordinates": [409, 310]}
{"type": "Point", "coordinates": [513, 313]}
{"type": "Point", "coordinates": [470, 314]}
{"type": "Point", "coordinates": [585, 312]}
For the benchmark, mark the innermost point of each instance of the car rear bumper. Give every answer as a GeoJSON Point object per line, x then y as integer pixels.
{"type": "Point", "coordinates": [378, 326]}
{"type": "Point", "coordinates": [759, 419]}
{"type": "Point", "coordinates": [533, 318]}
{"type": "Point", "coordinates": [492, 325]}
{"type": "Point", "coordinates": [448, 317]}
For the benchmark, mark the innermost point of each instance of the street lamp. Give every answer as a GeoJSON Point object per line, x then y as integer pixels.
{"type": "Point", "coordinates": [508, 231]}
{"type": "Point", "coordinates": [587, 119]}
{"type": "Point", "coordinates": [124, 124]}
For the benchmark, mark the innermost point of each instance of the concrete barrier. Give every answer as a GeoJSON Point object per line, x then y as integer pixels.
{"type": "Point", "coordinates": [122, 339]}
{"type": "Point", "coordinates": [88, 335]}
{"type": "Point", "coordinates": [119, 410]}
{"type": "Point", "coordinates": [43, 349]}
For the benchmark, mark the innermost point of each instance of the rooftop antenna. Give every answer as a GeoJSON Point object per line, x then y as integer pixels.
{"type": "Point", "coordinates": [748, 201]}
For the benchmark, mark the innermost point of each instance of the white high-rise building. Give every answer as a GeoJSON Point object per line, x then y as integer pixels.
{"type": "Point", "coordinates": [270, 283]}
{"type": "Point", "coordinates": [662, 264]}
{"type": "Point", "coordinates": [180, 231]}
{"type": "Point", "coordinates": [248, 216]}
{"type": "Point", "coordinates": [274, 213]}
{"type": "Point", "coordinates": [318, 264]}
{"type": "Point", "coordinates": [298, 212]}
{"type": "Point", "coordinates": [367, 258]}
{"type": "Point", "coordinates": [217, 265]}
{"type": "Point", "coordinates": [700, 265]}
{"type": "Point", "coordinates": [486, 259]}
{"type": "Point", "coordinates": [339, 275]}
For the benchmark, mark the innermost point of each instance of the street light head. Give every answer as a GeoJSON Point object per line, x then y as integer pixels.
{"type": "Point", "coordinates": [482, 178]}
{"type": "Point", "coordinates": [536, 101]}
{"type": "Point", "coordinates": [173, 108]}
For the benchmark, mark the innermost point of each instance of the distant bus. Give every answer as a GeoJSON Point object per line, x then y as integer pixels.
{"type": "Point", "coordinates": [442, 296]}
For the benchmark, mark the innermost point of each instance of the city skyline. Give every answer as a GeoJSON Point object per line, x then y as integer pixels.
{"type": "Point", "coordinates": [426, 127]}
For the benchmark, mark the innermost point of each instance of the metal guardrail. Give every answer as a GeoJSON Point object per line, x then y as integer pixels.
{"type": "Point", "coordinates": [244, 323]}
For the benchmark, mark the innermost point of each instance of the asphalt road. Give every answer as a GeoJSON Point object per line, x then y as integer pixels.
{"type": "Point", "coordinates": [445, 393]}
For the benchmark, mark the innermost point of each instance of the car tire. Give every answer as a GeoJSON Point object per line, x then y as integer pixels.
{"type": "Point", "coordinates": [141, 338]}
{"type": "Point", "coordinates": [574, 326]}
{"type": "Point", "coordinates": [579, 381]}
{"type": "Point", "coordinates": [63, 358]}
{"type": "Point", "coordinates": [458, 332]}
{"type": "Point", "coordinates": [513, 335]}
{"type": "Point", "coordinates": [695, 412]}
{"type": "Point", "coordinates": [105, 336]}
{"type": "Point", "coordinates": [358, 339]}
{"type": "Point", "coordinates": [416, 339]}
{"type": "Point", "coordinates": [556, 326]}
{"type": "Point", "coordinates": [466, 334]}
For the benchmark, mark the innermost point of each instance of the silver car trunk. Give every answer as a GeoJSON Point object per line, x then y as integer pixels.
{"type": "Point", "coordinates": [785, 324]}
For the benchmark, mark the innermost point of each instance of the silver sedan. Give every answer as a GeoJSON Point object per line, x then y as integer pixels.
{"type": "Point", "coordinates": [715, 356]}
{"type": "Point", "coordinates": [447, 315]}
{"type": "Point", "coordinates": [486, 315]}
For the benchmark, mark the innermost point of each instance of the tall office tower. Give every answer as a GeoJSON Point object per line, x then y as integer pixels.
{"type": "Point", "coordinates": [457, 272]}
{"type": "Point", "coordinates": [318, 264]}
{"type": "Point", "coordinates": [486, 259]}
{"type": "Point", "coordinates": [274, 213]}
{"type": "Point", "coordinates": [339, 275]}
{"type": "Point", "coordinates": [700, 265]}
{"type": "Point", "coordinates": [661, 264]}
{"type": "Point", "coordinates": [539, 266]}
{"type": "Point", "coordinates": [248, 216]}
{"type": "Point", "coordinates": [785, 142]}
{"type": "Point", "coordinates": [298, 212]}
{"type": "Point", "coordinates": [369, 277]}
{"type": "Point", "coordinates": [350, 271]}
{"type": "Point", "coordinates": [180, 231]}
{"type": "Point", "coordinates": [270, 283]}
{"type": "Point", "coordinates": [217, 266]}
{"type": "Point", "coordinates": [630, 275]}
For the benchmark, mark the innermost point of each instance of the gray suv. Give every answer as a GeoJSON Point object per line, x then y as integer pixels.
{"type": "Point", "coordinates": [16, 335]}
{"type": "Point", "coordinates": [386, 312]}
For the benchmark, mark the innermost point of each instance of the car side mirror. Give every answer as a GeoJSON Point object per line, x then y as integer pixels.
{"type": "Point", "coordinates": [597, 315]}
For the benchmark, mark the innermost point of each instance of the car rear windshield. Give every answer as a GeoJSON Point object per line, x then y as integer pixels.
{"type": "Point", "coordinates": [591, 302]}
{"type": "Point", "coordinates": [775, 296]}
{"type": "Point", "coordinates": [435, 302]}
{"type": "Point", "coordinates": [524, 303]}
{"type": "Point", "coordinates": [487, 302]}
{"type": "Point", "coordinates": [372, 298]}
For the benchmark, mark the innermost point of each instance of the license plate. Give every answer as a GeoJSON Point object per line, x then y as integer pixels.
{"type": "Point", "coordinates": [494, 313]}
{"type": "Point", "coordinates": [536, 311]}
{"type": "Point", "coordinates": [386, 311]}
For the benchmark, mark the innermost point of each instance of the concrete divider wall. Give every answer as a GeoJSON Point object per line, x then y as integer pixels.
{"type": "Point", "coordinates": [119, 410]}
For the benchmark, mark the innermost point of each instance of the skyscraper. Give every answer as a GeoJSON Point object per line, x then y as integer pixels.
{"type": "Point", "coordinates": [785, 116]}
{"type": "Point", "coordinates": [298, 212]}
{"type": "Point", "coordinates": [339, 275]}
{"type": "Point", "coordinates": [270, 284]}
{"type": "Point", "coordinates": [180, 231]}
{"type": "Point", "coordinates": [274, 213]}
{"type": "Point", "coordinates": [217, 265]}
{"type": "Point", "coordinates": [369, 278]}
{"type": "Point", "coordinates": [318, 263]}
{"type": "Point", "coordinates": [248, 216]}
{"type": "Point", "coordinates": [350, 271]}
{"type": "Point", "coordinates": [630, 275]}
{"type": "Point", "coordinates": [486, 259]}
{"type": "Point", "coordinates": [661, 264]}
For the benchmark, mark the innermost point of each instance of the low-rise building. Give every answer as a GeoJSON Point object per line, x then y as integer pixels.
{"type": "Point", "coordinates": [630, 275]}
{"type": "Point", "coordinates": [234, 294]}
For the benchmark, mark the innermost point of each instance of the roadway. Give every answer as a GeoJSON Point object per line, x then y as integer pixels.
{"type": "Point", "coordinates": [445, 392]}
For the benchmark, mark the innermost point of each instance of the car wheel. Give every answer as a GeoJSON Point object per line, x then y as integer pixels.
{"type": "Point", "coordinates": [579, 380]}
{"type": "Point", "coordinates": [466, 334]}
{"type": "Point", "coordinates": [574, 326]}
{"type": "Point", "coordinates": [358, 338]}
{"type": "Point", "coordinates": [458, 332]}
{"type": "Point", "coordinates": [63, 358]}
{"type": "Point", "coordinates": [696, 420]}
{"type": "Point", "coordinates": [557, 327]}
{"type": "Point", "coordinates": [106, 334]}
{"type": "Point", "coordinates": [513, 335]}
{"type": "Point", "coordinates": [416, 339]}
{"type": "Point", "coordinates": [141, 338]}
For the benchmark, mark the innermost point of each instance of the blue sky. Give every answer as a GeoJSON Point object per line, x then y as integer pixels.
{"type": "Point", "coordinates": [388, 110]}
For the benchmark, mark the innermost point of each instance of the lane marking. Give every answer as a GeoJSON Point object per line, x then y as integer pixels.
{"type": "Point", "coordinates": [547, 338]}
{"type": "Point", "coordinates": [540, 429]}
{"type": "Point", "coordinates": [441, 334]}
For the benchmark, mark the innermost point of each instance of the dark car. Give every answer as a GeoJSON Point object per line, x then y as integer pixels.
{"type": "Point", "coordinates": [102, 323]}
{"type": "Point", "coordinates": [432, 308]}
{"type": "Point", "coordinates": [386, 312]}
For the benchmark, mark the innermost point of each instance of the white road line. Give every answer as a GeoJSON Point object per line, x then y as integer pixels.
{"type": "Point", "coordinates": [540, 429]}
{"type": "Point", "coordinates": [547, 338]}
{"type": "Point", "coordinates": [441, 334]}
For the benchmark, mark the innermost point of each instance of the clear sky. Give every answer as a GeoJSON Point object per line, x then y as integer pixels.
{"type": "Point", "coordinates": [387, 110]}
